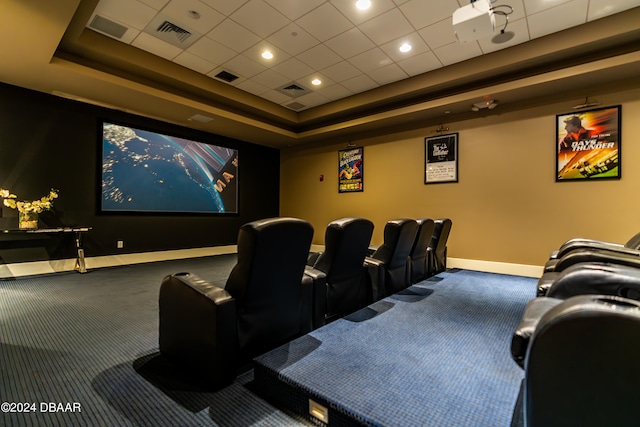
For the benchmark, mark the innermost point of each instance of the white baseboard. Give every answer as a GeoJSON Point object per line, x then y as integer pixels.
{"type": "Point", "coordinates": [496, 267]}
{"type": "Point", "coordinates": [58, 266]}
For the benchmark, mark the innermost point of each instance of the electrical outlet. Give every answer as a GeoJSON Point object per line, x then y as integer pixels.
{"type": "Point", "coordinates": [120, 244]}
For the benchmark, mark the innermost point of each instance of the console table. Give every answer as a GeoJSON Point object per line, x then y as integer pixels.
{"type": "Point", "coordinates": [80, 263]}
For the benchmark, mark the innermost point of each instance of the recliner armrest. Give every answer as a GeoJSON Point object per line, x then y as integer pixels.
{"type": "Point", "coordinates": [375, 274]}
{"type": "Point", "coordinates": [198, 327]}
{"type": "Point", "coordinates": [576, 244]}
{"type": "Point", "coordinates": [316, 280]}
{"type": "Point", "coordinates": [534, 311]}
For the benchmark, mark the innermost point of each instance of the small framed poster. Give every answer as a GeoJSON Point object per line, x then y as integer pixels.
{"type": "Point", "coordinates": [351, 170]}
{"type": "Point", "coordinates": [588, 145]}
{"type": "Point", "coordinates": [441, 159]}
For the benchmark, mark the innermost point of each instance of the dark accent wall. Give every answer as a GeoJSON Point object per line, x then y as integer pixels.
{"type": "Point", "coordinates": [47, 141]}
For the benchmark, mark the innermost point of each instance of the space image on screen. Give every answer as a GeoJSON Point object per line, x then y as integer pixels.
{"type": "Point", "coordinates": [145, 171]}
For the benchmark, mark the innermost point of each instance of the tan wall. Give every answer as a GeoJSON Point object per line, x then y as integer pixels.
{"type": "Point", "coordinates": [506, 206]}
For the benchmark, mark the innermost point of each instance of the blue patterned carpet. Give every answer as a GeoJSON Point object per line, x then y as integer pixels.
{"type": "Point", "coordinates": [436, 354]}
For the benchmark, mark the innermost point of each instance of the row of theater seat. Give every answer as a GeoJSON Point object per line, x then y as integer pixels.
{"type": "Point", "coordinates": [579, 340]}
{"type": "Point", "coordinates": [278, 291]}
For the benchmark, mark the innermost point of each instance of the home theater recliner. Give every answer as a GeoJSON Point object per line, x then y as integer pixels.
{"type": "Point", "coordinates": [266, 301]}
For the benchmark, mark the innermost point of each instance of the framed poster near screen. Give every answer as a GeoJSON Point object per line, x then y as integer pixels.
{"type": "Point", "coordinates": [588, 145]}
{"type": "Point", "coordinates": [351, 170]}
{"type": "Point", "coordinates": [441, 159]}
{"type": "Point", "coordinates": [148, 172]}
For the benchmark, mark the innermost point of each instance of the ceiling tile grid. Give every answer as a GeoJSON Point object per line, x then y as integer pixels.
{"type": "Point", "coordinates": [349, 50]}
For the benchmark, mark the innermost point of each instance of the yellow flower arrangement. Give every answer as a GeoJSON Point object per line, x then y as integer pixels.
{"type": "Point", "coordinates": [36, 206]}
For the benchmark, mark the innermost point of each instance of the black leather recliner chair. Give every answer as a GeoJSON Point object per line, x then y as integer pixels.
{"type": "Point", "coordinates": [438, 245]}
{"type": "Point", "coordinates": [632, 244]}
{"type": "Point", "coordinates": [420, 253]}
{"type": "Point", "coordinates": [265, 302]}
{"type": "Point", "coordinates": [342, 262]}
{"type": "Point", "coordinates": [389, 266]}
{"type": "Point", "coordinates": [580, 367]}
{"type": "Point", "coordinates": [579, 279]}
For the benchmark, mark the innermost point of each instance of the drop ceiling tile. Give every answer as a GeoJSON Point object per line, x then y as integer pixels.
{"type": "Point", "coordinates": [312, 99]}
{"type": "Point", "coordinates": [421, 63]}
{"type": "Point", "coordinates": [271, 79]}
{"type": "Point", "coordinates": [370, 60]}
{"type": "Point", "coordinates": [558, 18]}
{"type": "Point", "coordinates": [350, 43]}
{"type": "Point", "coordinates": [422, 13]}
{"type": "Point", "coordinates": [392, 49]}
{"type": "Point", "coordinates": [133, 14]}
{"type": "Point", "coordinates": [211, 51]}
{"type": "Point", "coordinates": [156, 46]}
{"type": "Point", "coordinates": [601, 8]}
{"type": "Point", "coordinates": [386, 27]}
{"type": "Point", "coordinates": [293, 68]}
{"type": "Point", "coordinates": [457, 52]}
{"type": "Point", "coordinates": [293, 39]}
{"type": "Point", "coordinates": [438, 34]}
{"type": "Point", "coordinates": [389, 74]}
{"type": "Point", "coordinates": [260, 18]}
{"type": "Point", "coordinates": [243, 66]}
{"type": "Point", "coordinates": [535, 6]}
{"type": "Point", "coordinates": [334, 92]}
{"type": "Point", "coordinates": [276, 97]}
{"type": "Point", "coordinates": [324, 22]}
{"type": "Point", "coordinates": [179, 12]}
{"type": "Point", "coordinates": [319, 57]}
{"type": "Point", "coordinates": [156, 4]}
{"type": "Point", "coordinates": [194, 62]}
{"type": "Point", "coordinates": [233, 35]}
{"type": "Point", "coordinates": [360, 83]}
{"type": "Point", "coordinates": [225, 7]}
{"type": "Point", "coordinates": [357, 16]}
{"type": "Point", "coordinates": [341, 71]}
{"type": "Point", "coordinates": [253, 87]}
{"type": "Point", "coordinates": [294, 9]}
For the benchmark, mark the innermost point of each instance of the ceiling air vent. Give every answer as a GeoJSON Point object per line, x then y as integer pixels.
{"type": "Point", "coordinates": [107, 26]}
{"type": "Point", "coordinates": [170, 32]}
{"type": "Point", "coordinates": [293, 90]}
{"type": "Point", "coordinates": [226, 76]}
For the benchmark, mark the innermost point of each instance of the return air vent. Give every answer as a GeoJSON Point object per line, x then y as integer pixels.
{"type": "Point", "coordinates": [171, 32]}
{"type": "Point", "coordinates": [293, 90]}
{"type": "Point", "coordinates": [226, 76]}
{"type": "Point", "coordinates": [107, 26]}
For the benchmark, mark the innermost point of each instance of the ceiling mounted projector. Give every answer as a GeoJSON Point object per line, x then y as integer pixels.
{"type": "Point", "coordinates": [474, 21]}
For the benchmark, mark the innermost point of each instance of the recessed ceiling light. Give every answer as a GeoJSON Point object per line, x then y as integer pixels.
{"type": "Point", "coordinates": [193, 14]}
{"type": "Point", "coordinates": [267, 55]}
{"type": "Point", "coordinates": [406, 47]}
{"type": "Point", "coordinates": [316, 82]}
{"type": "Point", "coordinates": [363, 4]}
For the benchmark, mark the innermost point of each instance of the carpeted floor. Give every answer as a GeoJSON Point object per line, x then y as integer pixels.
{"type": "Point", "coordinates": [82, 350]}
{"type": "Point", "coordinates": [436, 354]}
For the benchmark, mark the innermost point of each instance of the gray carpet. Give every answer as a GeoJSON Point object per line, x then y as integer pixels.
{"type": "Point", "coordinates": [81, 350]}
{"type": "Point", "coordinates": [436, 354]}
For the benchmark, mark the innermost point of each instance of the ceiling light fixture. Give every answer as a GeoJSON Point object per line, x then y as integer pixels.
{"type": "Point", "coordinates": [316, 82]}
{"type": "Point", "coordinates": [193, 14]}
{"type": "Point", "coordinates": [363, 4]}
{"type": "Point", "coordinates": [406, 47]}
{"type": "Point", "coordinates": [267, 55]}
{"type": "Point", "coordinates": [490, 104]}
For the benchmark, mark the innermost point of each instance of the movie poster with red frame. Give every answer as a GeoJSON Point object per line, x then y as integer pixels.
{"type": "Point", "coordinates": [588, 145]}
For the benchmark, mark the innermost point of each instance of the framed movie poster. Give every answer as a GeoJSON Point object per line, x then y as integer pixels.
{"type": "Point", "coordinates": [441, 158]}
{"type": "Point", "coordinates": [351, 170]}
{"type": "Point", "coordinates": [588, 145]}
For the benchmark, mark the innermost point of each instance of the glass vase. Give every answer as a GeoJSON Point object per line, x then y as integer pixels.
{"type": "Point", "coordinates": [28, 220]}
